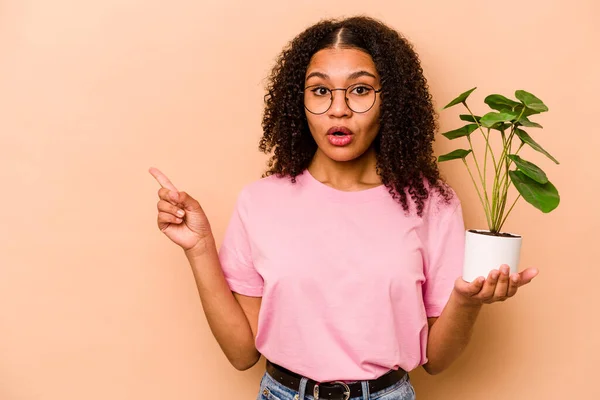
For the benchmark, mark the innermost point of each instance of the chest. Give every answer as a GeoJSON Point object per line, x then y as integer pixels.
{"type": "Point", "coordinates": [338, 246]}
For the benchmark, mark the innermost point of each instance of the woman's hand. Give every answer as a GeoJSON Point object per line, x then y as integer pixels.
{"type": "Point", "coordinates": [180, 216]}
{"type": "Point", "coordinates": [498, 286]}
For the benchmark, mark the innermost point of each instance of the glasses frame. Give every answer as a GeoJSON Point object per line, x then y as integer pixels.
{"type": "Point", "coordinates": [345, 97]}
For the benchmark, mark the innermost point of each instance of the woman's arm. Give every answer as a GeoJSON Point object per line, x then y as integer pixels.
{"type": "Point", "coordinates": [450, 333]}
{"type": "Point", "coordinates": [232, 319]}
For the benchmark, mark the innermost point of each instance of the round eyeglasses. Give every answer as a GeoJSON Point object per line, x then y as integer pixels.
{"type": "Point", "coordinates": [359, 97]}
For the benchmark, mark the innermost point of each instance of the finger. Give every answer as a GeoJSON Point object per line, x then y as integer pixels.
{"type": "Point", "coordinates": [162, 179]}
{"type": "Point", "coordinates": [527, 275]}
{"type": "Point", "coordinates": [487, 292]}
{"type": "Point", "coordinates": [502, 285]}
{"type": "Point", "coordinates": [469, 288]}
{"type": "Point", "coordinates": [513, 285]}
{"type": "Point", "coordinates": [169, 195]}
{"type": "Point", "coordinates": [169, 208]}
{"type": "Point", "coordinates": [188, 202]}
{"type": "Point", "coordinates": [164, 219]}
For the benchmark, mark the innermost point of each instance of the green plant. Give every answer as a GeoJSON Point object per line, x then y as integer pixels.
{"type": "Point", "coordinates": [506, 121]}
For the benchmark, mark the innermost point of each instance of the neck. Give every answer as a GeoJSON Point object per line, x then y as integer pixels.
{"type": "Point", "coordinates": [357, 174]}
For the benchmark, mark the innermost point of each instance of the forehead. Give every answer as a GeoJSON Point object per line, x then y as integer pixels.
{"type": "Point", "coordinates": [341, 62]}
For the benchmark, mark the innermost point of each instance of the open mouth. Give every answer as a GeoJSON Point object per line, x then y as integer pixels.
{"type": "Point", "coordinates": [339, 131]}
{"type": "Point", "coordinates": [339, 136]}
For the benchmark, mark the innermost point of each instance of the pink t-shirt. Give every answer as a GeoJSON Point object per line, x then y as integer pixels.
{"type": "Point", "coordinates": [347, 279]}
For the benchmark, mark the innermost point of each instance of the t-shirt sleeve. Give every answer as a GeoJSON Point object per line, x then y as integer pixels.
{"type": "Point", "coordinates": [235, 254]}
{"type": "Point", "coordinates": [445, 258]}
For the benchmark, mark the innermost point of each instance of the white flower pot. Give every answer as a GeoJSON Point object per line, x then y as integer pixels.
{"type": "Point", "coordinates": [485, 252]}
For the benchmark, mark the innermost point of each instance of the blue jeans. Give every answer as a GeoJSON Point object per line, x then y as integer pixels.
{"type": "Point", "coordinates": [270, 389]}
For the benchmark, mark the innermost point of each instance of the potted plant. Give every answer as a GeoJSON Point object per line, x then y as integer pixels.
{"type": "Point", "coordinates": [487, 249]}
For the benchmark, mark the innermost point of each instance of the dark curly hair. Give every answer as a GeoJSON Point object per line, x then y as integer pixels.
{"type": "Point", "coordinates": [404, 144]}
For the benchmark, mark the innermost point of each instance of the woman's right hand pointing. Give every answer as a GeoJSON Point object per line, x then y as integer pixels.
{"type": "Point", "coordinates": [180, 216]}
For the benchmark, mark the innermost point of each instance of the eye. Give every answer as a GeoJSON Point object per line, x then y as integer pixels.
{"type": "Point", "coordinates": [320, 91]}
{"type": "Point", "coordinates": [361, 90]}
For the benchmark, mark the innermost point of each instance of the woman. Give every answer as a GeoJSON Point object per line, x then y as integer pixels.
{"type": "Point", "coordinates": [341, 266]}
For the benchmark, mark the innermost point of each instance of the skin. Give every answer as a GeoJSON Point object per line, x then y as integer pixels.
{"type": "Point", "coordinates": [233, 318]}
{"type": "Point", "coordinates": [350, 167]}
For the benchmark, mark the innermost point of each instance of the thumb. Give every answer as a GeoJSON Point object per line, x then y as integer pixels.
{"type": "Point", "coordinates": [469, 288]}
{"type": "Point", "coordinates": [187, 201]}
{"type": "Point", "coordinates": [527, 275]}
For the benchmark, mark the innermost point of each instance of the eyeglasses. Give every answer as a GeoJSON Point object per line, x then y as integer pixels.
{"type": "Point", "coordinates": [359, 97]}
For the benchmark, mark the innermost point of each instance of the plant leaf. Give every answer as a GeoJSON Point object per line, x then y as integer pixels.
{"type": "Point", "coordinates": [460, 132]}
{"type": "Point", "coordinates": [501, 103]}
{"type": "Point", "coordinates": [531, 101]}
{"type": "Point", "coordinates": [491, 118]}
{"type": "Point", "coordinates": [524, 136]}
{"type": "Point", "coordinates": [544, 197]}
{"type": "Point", "coordinates": [454, 155]}
{"type": "Point", "coordinates": [469, 118]}
{"type": "Point", "coordinates": [529, 124]}
{"type": "Point", "coordinates": [525, 111]}
{"type": "Point", "coordinates": [529, 169]}
{"type": "Point", "coordinates": [460, 99]}
{"type": "Point", "coordinates": [501, 126]}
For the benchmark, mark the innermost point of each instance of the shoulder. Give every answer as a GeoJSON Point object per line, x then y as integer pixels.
{"type": "Point", "coordinates": [264, 190]}
{"type": "Point", "coordinates": [267, 185]}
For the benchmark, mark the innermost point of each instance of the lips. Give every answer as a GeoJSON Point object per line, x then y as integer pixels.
{"type": "Point", "coordinates": [339, 130]}
{"type": "Point", "coordinates": [339, 136]}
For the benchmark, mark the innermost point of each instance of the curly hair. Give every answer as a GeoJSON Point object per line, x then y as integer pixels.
{"type": "Point", "coordinates": [404, 144]}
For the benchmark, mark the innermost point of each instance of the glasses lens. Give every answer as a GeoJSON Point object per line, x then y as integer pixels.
{"type": "Point", "coordinates": [317, 99]}
{"type": "Point", "coordinates": [360, 97]}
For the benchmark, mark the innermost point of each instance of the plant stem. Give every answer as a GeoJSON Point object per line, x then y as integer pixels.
{"type": "Point", "coordinates": [486, 138]}
{"type": "Point", "coordinates": [508, 213]}
{"type": "Point", "coordinates": [500, 186]}
{"type": "Point", "coordinates": [506, 181]}
{"type": "Point", "coordinates": [502, 183]}
{"type": "Point", "coordinates": [503, 220]}
{"type": "Point", "coordinates": [520, 147]}
{"type": "Point", "coordinates": [485, 158]}
{"type": "Point", "coordinates": [487, 216]}
{"type": "Point", "coordinates": [496, 198]}
{"type": "Point", "coordinates": [483, 179]}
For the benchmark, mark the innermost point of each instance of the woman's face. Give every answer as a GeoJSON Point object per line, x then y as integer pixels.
{"type": "Point", "coordinates": [341, 133]}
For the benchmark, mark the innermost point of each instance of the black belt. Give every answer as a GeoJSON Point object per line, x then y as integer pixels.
{"type": "Point", "coordinates": [332, 390]}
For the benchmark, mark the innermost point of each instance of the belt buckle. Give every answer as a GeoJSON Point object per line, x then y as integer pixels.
{"type": "Point", "coordinates": [342, 384]}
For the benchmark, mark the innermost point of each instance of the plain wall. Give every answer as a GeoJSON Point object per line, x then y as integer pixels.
{"type": "Point", "coordinates": [95, 303]}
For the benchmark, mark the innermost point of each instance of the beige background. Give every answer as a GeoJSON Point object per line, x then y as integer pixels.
{"type": "Point", "coordinates": [95, 303]}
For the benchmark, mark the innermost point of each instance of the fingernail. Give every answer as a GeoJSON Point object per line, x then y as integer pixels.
{"type": "Point", "coordinates": [505, 269]}
{"type": "Point", "coordinates": [514, 278]}
{"type": "Point", "coordinates": [495, 275]}
{"type": "Point", "coordinates": [180, 213]}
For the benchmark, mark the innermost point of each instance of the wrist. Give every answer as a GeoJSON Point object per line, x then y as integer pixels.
{"type": "Point", "coordinates": [201, 248]}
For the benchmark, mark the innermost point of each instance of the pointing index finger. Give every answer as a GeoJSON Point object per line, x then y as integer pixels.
{"type": "Point", "coordinates": [162, 179]}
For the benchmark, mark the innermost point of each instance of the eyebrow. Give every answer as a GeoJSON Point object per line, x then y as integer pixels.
{"type": "Point", "coordinates": [353, 75]}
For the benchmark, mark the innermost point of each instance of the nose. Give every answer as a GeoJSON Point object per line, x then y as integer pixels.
{"type": "Point", "coordinates": [339, 107]}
